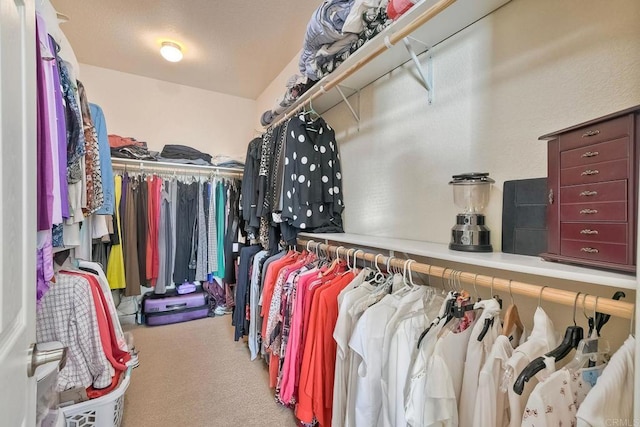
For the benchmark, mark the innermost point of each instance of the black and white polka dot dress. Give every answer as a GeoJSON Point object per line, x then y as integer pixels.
{"type": "Point", "coordinates": [312, 191]}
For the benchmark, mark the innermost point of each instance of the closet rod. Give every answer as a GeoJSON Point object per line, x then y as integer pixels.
{"type": "Point", "coordinates": [136, 165]}
{"type": "Point", "coordinates": [393, 39]}
{"type": "Point", "coordinates": [503, 286]}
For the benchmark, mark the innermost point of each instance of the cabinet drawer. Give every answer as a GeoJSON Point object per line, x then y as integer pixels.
{"type": "Point", "coordinates": [594, 232]}
{"type": "Point", "coordinates": [596, 153]}
{"type": "Point", "coordinates": [603, 131]}
{"type": "Point", "coordinates": [607, 252]}
{"type": "Point", "coordinates": [607, 211]}
{"type": "Point", "coordinates": [600, 192]}
{"type": "Point", "coordinates": [597, 172]}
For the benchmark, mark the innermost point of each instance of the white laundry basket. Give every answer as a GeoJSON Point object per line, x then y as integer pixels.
{"type": "Point", "coordinates": [105, 411]}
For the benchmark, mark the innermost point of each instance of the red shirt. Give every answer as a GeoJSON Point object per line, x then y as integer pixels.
{"type": "Point", "coordinates": [326, 348]}
{"type": "Point", "coordinates": [312, 357]}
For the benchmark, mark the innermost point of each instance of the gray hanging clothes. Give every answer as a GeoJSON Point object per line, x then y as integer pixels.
{"type": "Point", "coordinates": [201, 256]}
{"type": "Point", "coordinates": [173, 203]}
{"type": "Point", "coordinates": [212, 248]}
{"type": "Point", "coordinates": [165, 241]}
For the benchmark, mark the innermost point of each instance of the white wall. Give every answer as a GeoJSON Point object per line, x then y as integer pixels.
{"type": "Point", "coordinates": [532, 67]}
{"type": "Point", "coordinates": [160, 112]}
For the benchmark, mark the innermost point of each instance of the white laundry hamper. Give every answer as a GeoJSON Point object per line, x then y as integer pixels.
{"type": "Point", "coordinates": [105, 411]}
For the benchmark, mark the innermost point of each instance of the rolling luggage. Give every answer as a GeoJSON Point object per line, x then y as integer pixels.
{"type": "Point", "coordinates": [174, 308]}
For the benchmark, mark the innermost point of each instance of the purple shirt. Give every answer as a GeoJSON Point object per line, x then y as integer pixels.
{"type": "Point", "coordinates": [62, 135]}
{"type": "Point", "coordinates": [44, 168]}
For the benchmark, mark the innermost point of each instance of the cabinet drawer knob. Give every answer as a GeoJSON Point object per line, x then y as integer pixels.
{"type": "Point", "coordinates": [590, 172]}
{"type": "Point", "coordinates": [588, 211]}
{"type": "Point", "coordinates": [588, 231]}
{"type": "Point", "coordinates": [590, 154]}
{"type": "Point", "coordinates": [590, 133]}
{"type": "Point", "coordinates": [588, 193]}
{"type": "Point", "coordinates": [589, 250]}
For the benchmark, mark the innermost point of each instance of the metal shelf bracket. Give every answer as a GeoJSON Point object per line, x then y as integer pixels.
{"type": "Point", "coordinates": [426, 76]}
{"type": "Point", "coordinates": [346, 101]}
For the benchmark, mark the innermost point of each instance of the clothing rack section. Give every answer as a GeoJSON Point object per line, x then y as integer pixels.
{"type": "Point", "coordinates": [292, 182]}
{"type": "Point", "coordinates": [131, 165]}
{"type": "Point", "coordinates": [604, 305]}
{"type": "Point", "coordinates": [171, 229]}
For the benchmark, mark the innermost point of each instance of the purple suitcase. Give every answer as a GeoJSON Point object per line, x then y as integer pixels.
{"type": "Point", "coordinates": [163, 310]}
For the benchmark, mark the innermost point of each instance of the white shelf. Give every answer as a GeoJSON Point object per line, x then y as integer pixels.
{"type": "Point", "coordinates": [454, 18]}
{"type": "Point", "coordinates": [498, 260]}
{"type": "Point", "coordinates": [151, 164]}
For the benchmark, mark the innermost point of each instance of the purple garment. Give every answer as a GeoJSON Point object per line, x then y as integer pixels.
{"type": "Point", "coordinates": [44, 267]}
{"type": "Point", "coordinates": [186, 288]}
{"type": "Point", "coordinates": [62, 134]}
{"type": "Point", "coordinates": [48, 59]}
{"type": "Point", "coordinates": [44, 177]}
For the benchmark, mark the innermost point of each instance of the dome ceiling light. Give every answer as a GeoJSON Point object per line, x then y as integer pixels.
{"type": "Point", "coordinates": [171, 51]}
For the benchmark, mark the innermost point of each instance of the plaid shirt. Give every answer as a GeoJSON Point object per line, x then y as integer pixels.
{"type": "Point", "coordinates": [67, 314]}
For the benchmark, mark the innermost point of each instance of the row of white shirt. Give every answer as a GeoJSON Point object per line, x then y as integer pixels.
{"type": "Point", "coordinates": [382, 378]}
{"type": "Point", "coordinates": [563, 397]}
{"type": "Point", "coordinates": [455, 379]}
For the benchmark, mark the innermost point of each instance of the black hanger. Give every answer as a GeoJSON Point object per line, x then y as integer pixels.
{"type": "Point", "coordinates": [572, 337]}
{"type": "Point", "coordinates": [601, 318]}
{"type": "Point", "coordinates": [437, 320]}
{"type": "Point", "coordinates": [458, 311]}
{"type": "Point", "coordinates": [453, 310]}
{"type": "Point", "coordinates": [488, 323]}
{"type": "Point", "coordinates": [450, 309]}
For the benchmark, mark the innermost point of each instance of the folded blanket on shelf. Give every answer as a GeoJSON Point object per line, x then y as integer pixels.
{"type": "Point", "coordinates": [175, 151]}
{"type": "Point", "coordinates": [375, 20]}
{"type": "Point", "coordinates": [132, 152]}
{"type": "Point", "coordinates": [324, 28]}
{"type": "Point", "coordinates": [354, 22]}
{"type": "Point", "coordinates": [319, 59]}
{"type": "Point", "coordinates": [117, 141]}
{"type": "Point", "coordinates": [198, 162]}
{"type": "Point", "coordinates": [327, 53]}
{"type": "Point", "coordinates": [226, 162]}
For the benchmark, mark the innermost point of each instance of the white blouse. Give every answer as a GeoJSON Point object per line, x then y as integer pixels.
{"type": "Point", "coordinates": [477, 353]}
{"type": "Point", "coordinates": [492, 404]}
{"type": "Point", "coordinates": [555, 401]}
{"type": "Point", "coordinates": [611, 400]}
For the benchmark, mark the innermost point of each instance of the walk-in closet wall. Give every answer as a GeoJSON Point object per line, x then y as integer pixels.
{"type": "Point", "coordinates": [531, 67]}
{"type": "Point", "coordinates": [162, 113]}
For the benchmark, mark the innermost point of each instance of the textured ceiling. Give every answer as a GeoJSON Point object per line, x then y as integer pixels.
{"type": "Point", "coordinates": [235, 47]}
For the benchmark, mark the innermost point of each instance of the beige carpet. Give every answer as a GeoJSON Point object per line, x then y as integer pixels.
{"type": "Point", "coordinates": [194, 374]}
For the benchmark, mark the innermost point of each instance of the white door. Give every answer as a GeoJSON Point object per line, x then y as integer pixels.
{"type": "Point", "coordinates": [17, 210]}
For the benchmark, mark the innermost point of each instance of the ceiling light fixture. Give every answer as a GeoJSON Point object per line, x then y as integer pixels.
{"type": "Point", "coordinates": [171, 51]}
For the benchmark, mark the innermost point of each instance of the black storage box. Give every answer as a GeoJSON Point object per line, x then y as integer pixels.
{"type": "Point", "coordinates": [524, 227]}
